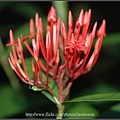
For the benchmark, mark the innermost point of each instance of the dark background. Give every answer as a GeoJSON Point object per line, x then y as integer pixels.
{"type": "Point", "coordinates": [16, 98]}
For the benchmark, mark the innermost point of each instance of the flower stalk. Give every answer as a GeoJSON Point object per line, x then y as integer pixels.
{"type": "Point", "coordinates": [60, 111]}
{"type": "Point", "coordinates": [75, 45]}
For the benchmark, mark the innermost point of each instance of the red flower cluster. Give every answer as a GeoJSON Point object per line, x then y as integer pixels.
{"type": "Point", "coordinates": [74, 45]}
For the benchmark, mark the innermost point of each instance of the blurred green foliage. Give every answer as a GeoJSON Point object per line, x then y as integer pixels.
{"type": "Point", "coordinates": [16, 98]}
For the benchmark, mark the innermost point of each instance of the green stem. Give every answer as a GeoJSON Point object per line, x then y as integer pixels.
{"type": "Point", "coordinates": [60, 111]}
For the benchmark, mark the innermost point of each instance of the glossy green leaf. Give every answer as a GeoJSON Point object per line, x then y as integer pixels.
{"type": "Point", "coordinates": [116, 108]}
{"type": "Point", "coordinates": [97, 98]}
{"type": "Point", "coordinates": [46, 93]}
{"type": "Point", "coordinates": [50, 96]}
{"type": "Point", "coordinates": [112, 39]}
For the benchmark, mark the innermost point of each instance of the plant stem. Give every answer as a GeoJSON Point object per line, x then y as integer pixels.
{"type": "Point", "coordinates": [60, 111]}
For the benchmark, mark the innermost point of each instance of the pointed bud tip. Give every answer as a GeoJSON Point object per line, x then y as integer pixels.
{"type": "Point", "coordinates": [79, 21]}
{"type": "Point", "coordinates": [11, 32]}
{"type": "Point", "coordinates": [87, 17]}
{"type": "Point", "coordinates": [70, 19]}
{"type": "Point", "coordinates": [63, 30]}
{"type": "Point", "coordinates": [36, 19]}
{"type": "Point", "coordinates": [31, 27]}
{"type": "Point", "coordinates": [94, 30]}
{"type": "Point", "coordinates": [102, 29]}
{"type": "Point", "coordinates": [52, 15]}
{"type": "Point", "coordinates": [36, 14]}
{"type": "Point", "coordinates": [89, 11]}
{"type": "Point", "coordinates": [11, 36]}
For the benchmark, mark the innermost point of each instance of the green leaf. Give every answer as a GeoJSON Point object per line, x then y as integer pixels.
{"type": "Point", "coordinates": [116, 108]}
{"type": "Point", "coordinates": [112, 39]}
{"type": "Point", "coordinates": [97, 98]}
{"type": "Point", "coordinates": [46, 93]}
{"type": "Point", "coordinates": [51, 97]}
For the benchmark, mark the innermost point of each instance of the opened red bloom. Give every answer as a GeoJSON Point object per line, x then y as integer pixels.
{"type": "Point", "coordinates": [74, 45]}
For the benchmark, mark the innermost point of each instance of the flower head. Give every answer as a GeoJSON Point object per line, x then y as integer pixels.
{"type": "Point", "coordinates": [75, 45]}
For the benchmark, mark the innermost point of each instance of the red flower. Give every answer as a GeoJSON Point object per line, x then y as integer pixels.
{"type": "Point", "coordinates": [78, 44]}
{"type": "Point", "coordinates": [75, 45]}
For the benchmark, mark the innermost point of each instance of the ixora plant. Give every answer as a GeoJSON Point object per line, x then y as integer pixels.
{"type": "Point", "coordinates": [59, 59]}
